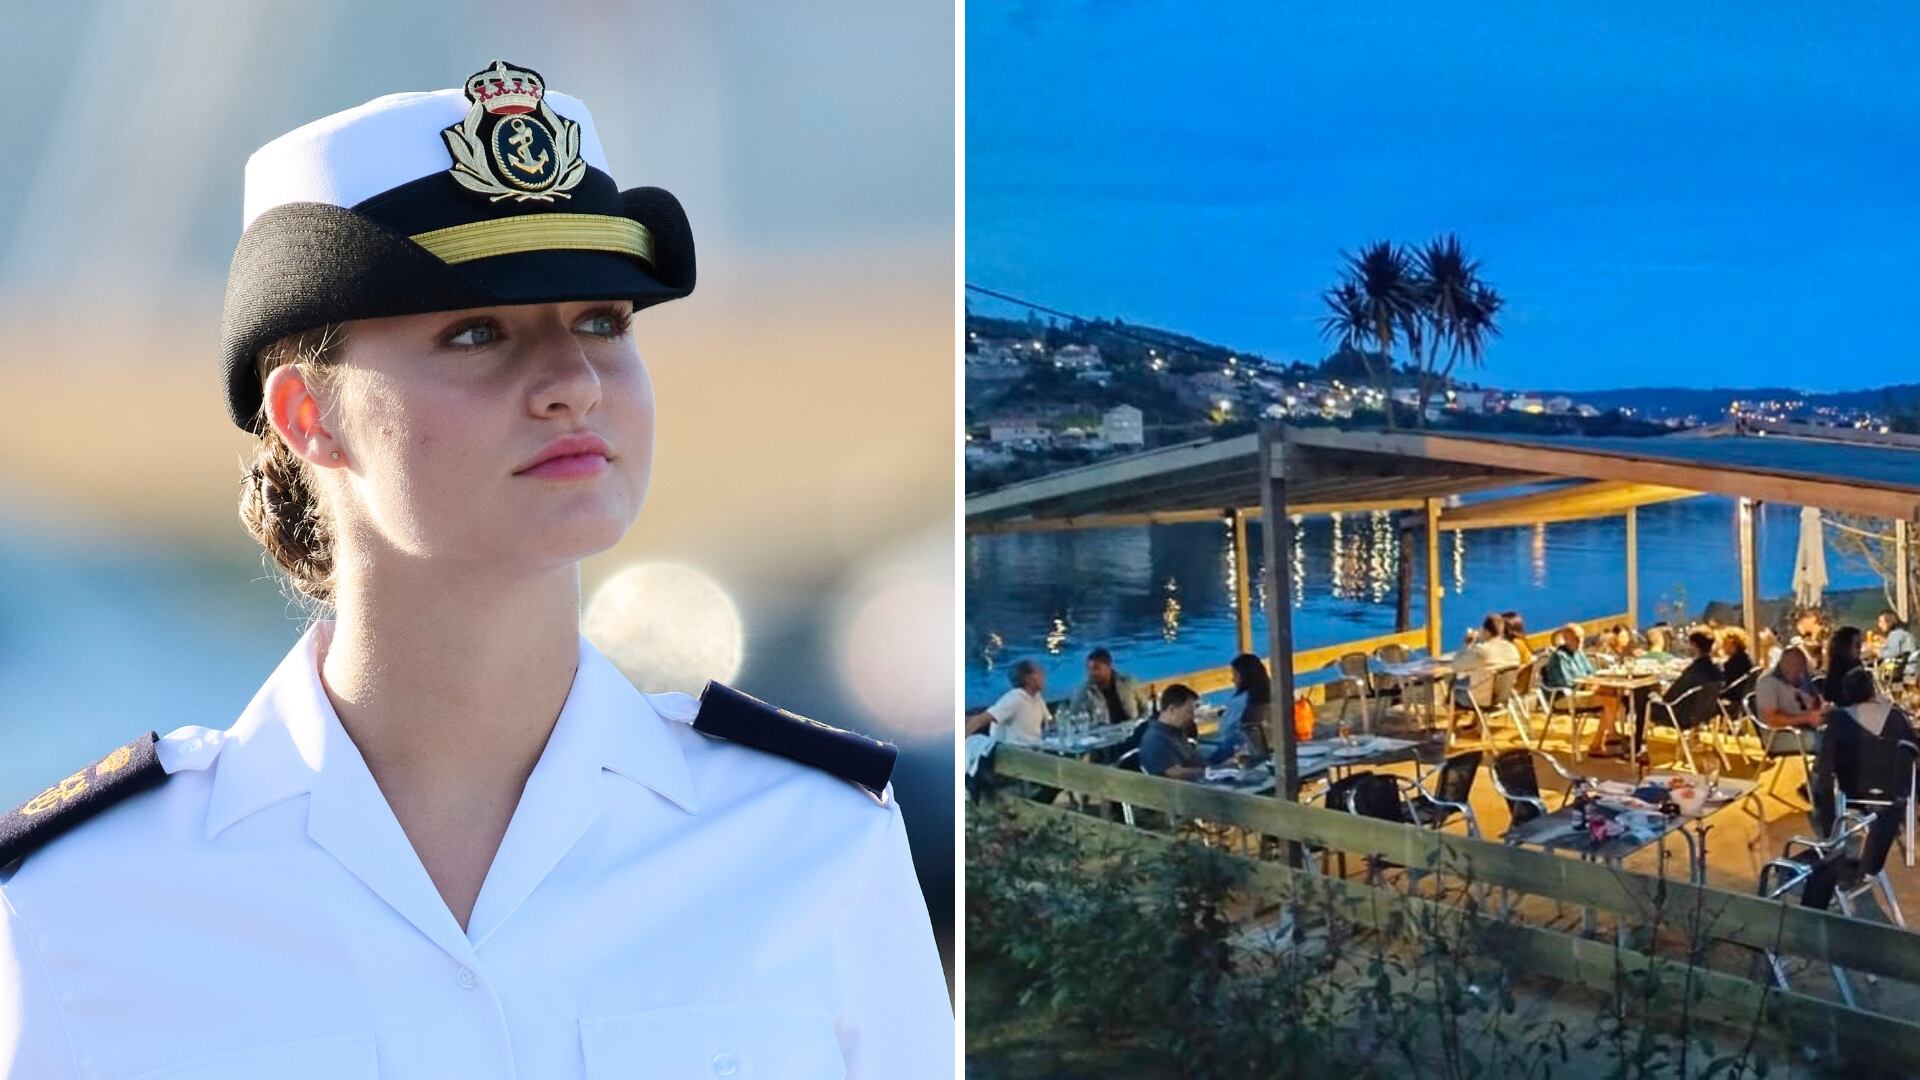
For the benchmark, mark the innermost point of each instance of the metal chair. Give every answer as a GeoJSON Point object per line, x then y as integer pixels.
{"type": "Point", "coordinates": [1500, 705]}
{"type": "Point", "coordinates": [1894, 789]}
{"type": "Point", "coordinates": [1356, 677]}
{"type": "Point", "coordinates": [1525, 695]}
{"type": "Point", "coordinates": [1516, 778]}
{"type": "Point", "coordinates": [1777, 745]}
{"type": "Point", "coordinates": [1390, 686]}
{"type": "Point", "coordinates": [1682, 716]}
{"type": "Point", "coordinates": [1450, 793]}
{"type": "Point", "coordinates": [1128, 762]}
{"type": "Point", "coordinates": [1727, 718]}
{"type": "Point", "coordinates": [1794, 870]}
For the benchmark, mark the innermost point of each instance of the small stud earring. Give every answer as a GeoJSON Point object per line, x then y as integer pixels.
{"type": "Point", "coordinates": [336, 455]}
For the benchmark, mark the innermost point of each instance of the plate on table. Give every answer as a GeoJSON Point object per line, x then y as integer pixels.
{"type": "Point", "coordinates": [1644, 822]}
{"type": "Point", "coordinates": [1360, 748]}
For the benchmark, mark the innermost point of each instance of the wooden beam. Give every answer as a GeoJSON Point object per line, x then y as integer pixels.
{"type": "Point", "coordinates": [1749, 509]}
{"type": "Point", "coordinates": [1579, 502]}
{"type": "Point", "coordinates": [1722, 478]}
{"type": "Point", "coordinates": [1434, 591]}
{"type": "Point", "coordinates": [1242, 584]}
{"type": "Point", "coordinates": [1903, 568]}
{"type": "Point", "coordinates": [1092, 521]}
{"type": "Point", "coordinates": [1633, 568]}
{"type": "Point", "coordinates": [1116, 473]}
{"type": "Point", "coordinates": [1276, 532]}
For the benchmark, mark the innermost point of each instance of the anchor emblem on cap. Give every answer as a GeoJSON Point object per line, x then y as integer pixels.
{"type": "Point", "coordinates": [511, 143]}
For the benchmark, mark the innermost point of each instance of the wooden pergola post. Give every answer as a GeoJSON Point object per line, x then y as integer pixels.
{"type": "Point", "coordinates": [1434, 588]}
{"type": "Point", "coordinates": [1749, 569]}
{"type": "Point", "coordinates": [1242, 572]}
{"type": "Point", "coordinates": [1903, 568]}
{"type": "Point", "coordinates": [1276, 533]}
{"type": "Point", "coordinates": [1633, 567]}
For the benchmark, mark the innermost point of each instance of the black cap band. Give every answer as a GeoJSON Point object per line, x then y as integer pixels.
{"type": "Point", "coordinates": [303, 265]}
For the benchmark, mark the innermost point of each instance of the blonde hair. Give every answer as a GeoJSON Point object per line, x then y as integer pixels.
{"type": "Point", "coordinates": [1733, 637]}
{"type": "Point", "coordinates": [279, 503]}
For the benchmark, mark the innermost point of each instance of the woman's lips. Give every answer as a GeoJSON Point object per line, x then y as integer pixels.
{"type": "Point", "coordinates": [570, 467]}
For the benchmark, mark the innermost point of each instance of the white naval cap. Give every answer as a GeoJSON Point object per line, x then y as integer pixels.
{"type": "Point", "coordinates": [351, 156]}
{"type": "Point", "coordinates": [494, 193]}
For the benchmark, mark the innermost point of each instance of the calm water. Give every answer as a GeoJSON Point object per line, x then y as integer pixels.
{"type": "Point", "coordinates": [1161, 597]}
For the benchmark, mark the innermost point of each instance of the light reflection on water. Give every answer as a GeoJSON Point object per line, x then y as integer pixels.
{"type": "Point", "coordinates": [1162, 597]}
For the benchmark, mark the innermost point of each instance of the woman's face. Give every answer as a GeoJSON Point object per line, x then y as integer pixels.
{"type": "Point", "coordinates": [439, 418]}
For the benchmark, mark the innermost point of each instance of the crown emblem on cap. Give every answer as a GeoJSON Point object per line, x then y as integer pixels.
{"type": "Point", "coordinates": [505, 92]}
{"type": "Point", "coordinates": [512, 145]}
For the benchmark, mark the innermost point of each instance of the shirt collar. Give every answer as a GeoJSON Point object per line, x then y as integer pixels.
{"type": "Point", "coordinates": [282, 742]}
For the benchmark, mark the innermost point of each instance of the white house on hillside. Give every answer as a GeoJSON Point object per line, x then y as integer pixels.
{"type": "Point", "coordinates": [1122, 426]}
{"type": "Point", "coordinates": [1015, 429]}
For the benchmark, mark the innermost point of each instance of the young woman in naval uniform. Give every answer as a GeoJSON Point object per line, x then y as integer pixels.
{"type": "Point", "coordinates": [448, 838]}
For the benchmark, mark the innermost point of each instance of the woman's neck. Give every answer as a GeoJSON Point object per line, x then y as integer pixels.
{"type": "Point", "coordinates": [452, 685]}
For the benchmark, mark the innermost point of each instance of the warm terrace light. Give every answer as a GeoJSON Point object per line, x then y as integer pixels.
{"type": "Point", "coordinates": [668, 627]}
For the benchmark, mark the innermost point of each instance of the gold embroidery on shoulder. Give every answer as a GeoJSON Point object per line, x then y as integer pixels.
{"type": "Point", "coordinates": [58, 795]}
{"type": "Point", "coordinates": [114, 762]}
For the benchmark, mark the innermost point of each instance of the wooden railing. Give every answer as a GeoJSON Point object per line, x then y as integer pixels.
{"type": "Point", "coordinates": [1634, 899]}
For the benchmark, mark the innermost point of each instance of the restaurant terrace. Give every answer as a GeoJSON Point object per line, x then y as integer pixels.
{"type": "Point", "coordinates": [1280, 473]}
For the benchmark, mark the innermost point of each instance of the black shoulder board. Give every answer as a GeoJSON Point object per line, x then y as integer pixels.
{"type": "Point", "coordinates": [726, 713]}
{"type": "Point", "coordinates": [129, 770]}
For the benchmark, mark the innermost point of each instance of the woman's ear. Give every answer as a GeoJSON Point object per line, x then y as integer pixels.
{"type": "Point", "coordinates": [297, 412]}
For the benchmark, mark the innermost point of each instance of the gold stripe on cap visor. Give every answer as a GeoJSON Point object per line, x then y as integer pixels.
{"type": "Point", "coordinates": [538, 232]}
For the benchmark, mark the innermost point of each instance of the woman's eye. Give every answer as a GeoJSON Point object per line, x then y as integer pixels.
{"type": "Point", "coordinates": [602, 325]}
{"type": "Point", "coordinates": [477, 334]}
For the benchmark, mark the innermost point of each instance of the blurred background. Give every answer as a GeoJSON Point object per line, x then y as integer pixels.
{"type": "Point", "coordinates": [799, 526]}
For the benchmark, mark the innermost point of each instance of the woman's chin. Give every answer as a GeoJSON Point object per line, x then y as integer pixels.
{"type": "Point", "coordinates": [575, 537]}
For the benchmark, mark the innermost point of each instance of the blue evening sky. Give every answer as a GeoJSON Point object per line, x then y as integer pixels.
{"type": "Point", "coordinates": [1668, 194]}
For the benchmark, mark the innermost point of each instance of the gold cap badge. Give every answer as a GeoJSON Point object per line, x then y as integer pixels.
{"type": "Point", "coordinates": [512, 144]}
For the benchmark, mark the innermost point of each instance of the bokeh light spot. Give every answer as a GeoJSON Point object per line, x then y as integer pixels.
{"type": "Point", "coordinates": [666, 626]}
{"type": "Point", "coordinates": [896, 639]}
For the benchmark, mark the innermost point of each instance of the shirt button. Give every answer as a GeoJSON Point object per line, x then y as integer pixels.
{"type": "Point", "coordinates": [725, 1065]}
{"type": "Point", "coordinates": [467, 979]}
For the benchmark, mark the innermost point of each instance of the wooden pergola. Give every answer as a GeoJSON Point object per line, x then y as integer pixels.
{"type": "Point", "coordinates": [1282, 471]}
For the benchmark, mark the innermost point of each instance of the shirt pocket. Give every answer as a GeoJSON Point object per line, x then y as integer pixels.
{"type": "Point", "coordinates": [743, 1039]}
{"type": "Point", "coordinates": [345, 1057]}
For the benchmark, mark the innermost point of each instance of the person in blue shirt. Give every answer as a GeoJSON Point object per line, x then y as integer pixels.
{"type": "Point", "coordinates": [1243, 726]}
{"type": "Point", "coordinates": [1566, 666]}
{"type": "Point", "coordinates": [1164, 748]}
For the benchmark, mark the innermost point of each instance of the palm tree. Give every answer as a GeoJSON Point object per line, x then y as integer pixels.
{"type": "Point", "coordinates": [1375, 304]}
{"type": "Point", "coordinates": [1459, 311]}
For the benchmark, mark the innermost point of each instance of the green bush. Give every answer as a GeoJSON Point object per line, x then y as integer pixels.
{"type": "Point", "coordinates": [1156, 952]}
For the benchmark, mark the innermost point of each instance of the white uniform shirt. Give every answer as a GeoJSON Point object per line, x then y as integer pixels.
{"type": "Point", "coordinates": [1020, 716]}
{"type": "Point", "coordinates": [662, 905]}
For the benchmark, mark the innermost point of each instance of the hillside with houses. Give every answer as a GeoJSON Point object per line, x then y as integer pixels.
{"type": "Point", "coordinates": [1046, 395]}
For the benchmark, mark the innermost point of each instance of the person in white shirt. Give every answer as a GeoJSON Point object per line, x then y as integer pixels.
{"type": "Point", "coordinates": [1486, 653]}
{"type": "Point", "coordinates": [1021, 714]}
{"type": "Point", "coordinates": [448, 837]}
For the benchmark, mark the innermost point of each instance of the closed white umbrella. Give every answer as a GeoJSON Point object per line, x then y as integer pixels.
{"type": "Point", "coordinates": [1810, 562]}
